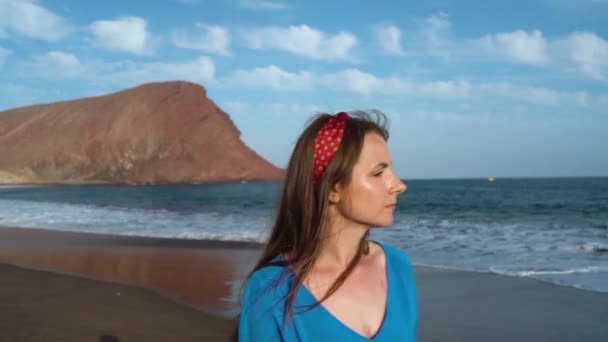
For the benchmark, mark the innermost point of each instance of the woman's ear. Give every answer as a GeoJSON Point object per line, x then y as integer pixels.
{"type": "Point", "coordinates": [335, 194]}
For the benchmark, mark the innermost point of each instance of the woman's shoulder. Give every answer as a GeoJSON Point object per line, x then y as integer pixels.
{"type": "Point", "coordinates": [268, 278]}
{"type": "Point", "coordinates": [395, 255]}
{"type": "Point", "coordinates": [267, 273]}
{"type": "Point", "coordinates": [262, 306]}
{"type": "Point", "coordinates": [402, 270]}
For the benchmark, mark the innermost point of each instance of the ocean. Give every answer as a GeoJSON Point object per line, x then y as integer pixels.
{"type": "Point", "coordinates": [553, 229]}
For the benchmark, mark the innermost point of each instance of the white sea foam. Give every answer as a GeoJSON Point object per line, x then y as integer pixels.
{"type": "Point", "coordinates": [524, 249]}
{"type": "Point", "coordinates": [595, 247]}
{"type": "Point", "coordinates": [566, 256]}
{"type": "Point", "coordinates": [529, 273]}
{"type": "Point", "coordinates": [129, 221]}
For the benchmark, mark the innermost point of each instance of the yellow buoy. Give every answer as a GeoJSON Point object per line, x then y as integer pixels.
{"type": "Point", "coordinates": [490, 179]}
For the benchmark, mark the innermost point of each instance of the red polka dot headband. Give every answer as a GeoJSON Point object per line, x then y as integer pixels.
{"type": "Point", "coordinates": [327, 142]}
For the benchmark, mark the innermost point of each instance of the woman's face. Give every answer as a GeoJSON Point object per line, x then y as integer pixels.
{"type": "Point", "coordinates": [370, 198]}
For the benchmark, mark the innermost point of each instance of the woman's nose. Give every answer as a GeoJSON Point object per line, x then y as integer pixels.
{"type": "Point", "coordinates": [400, 186]}
{"type": "Point", "coordinates": [403, 187]}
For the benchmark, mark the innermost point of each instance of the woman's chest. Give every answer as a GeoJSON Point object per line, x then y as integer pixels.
{"type": "Point", "coordinates": [359, 304]}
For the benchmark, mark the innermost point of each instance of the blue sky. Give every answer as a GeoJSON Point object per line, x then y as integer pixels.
{"type": "Point", "coordinates": [471, 88]}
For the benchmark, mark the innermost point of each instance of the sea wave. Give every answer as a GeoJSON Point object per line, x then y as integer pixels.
{"type": "Point", "coordinates": [538, 272]}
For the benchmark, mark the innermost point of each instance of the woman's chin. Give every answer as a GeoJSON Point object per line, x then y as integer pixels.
{"type": "Point", "coordinates": [384, 224]}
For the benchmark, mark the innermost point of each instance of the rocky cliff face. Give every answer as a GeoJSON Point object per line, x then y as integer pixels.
{"type": "Point", "coordinates": [155, 133]}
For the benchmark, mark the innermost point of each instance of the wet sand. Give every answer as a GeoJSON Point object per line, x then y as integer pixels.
{"type": "Point", "coordinates": [472, 306]}
{"type": "Point", "coordinates": [80, 287]}
{"type": "Point", "coordinates": [64, 286]}
{"type": "Point", "coordinates": [192, 272]}
{"type": "Point", "coordinates": [42, 306]}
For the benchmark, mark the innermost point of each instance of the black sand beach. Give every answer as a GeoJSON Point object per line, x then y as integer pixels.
{"type": "Point", "coordinates": [82, 287]}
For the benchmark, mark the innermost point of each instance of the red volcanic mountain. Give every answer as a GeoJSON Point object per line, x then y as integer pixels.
{"type": "Point", "coordinates": [155, 133]}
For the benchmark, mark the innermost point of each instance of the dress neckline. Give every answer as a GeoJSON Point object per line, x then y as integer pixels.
{"type": "Point", "coordinates": [326, 312]}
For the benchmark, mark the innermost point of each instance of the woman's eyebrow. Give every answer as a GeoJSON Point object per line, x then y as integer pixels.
{"type": "Point", "coordinates": [383, 165]}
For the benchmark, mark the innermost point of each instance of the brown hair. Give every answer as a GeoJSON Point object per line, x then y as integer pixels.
{"type": "Point", "coordinates": [301, 220]}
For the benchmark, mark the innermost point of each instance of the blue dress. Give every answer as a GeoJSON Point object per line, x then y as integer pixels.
{"type": "Point", "coordinates": [263, 307]}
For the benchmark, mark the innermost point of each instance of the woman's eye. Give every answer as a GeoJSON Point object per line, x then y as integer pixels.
{"type": "Point", "coordinates": [378, 174]}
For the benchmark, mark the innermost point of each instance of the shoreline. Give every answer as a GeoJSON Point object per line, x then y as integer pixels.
{"type": "Point", "coordinates": [453, 304]}
{"type": "Point", "coordinates": [31, 236]}
{"type": "Point", "coordinates": [197, 273]}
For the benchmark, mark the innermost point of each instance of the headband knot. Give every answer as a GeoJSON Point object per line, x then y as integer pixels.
{"type": "Point", "coordinates": [327, 142]}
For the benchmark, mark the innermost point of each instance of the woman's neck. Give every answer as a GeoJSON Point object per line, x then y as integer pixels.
{"type": "Point", "coordinates": [340, 245]}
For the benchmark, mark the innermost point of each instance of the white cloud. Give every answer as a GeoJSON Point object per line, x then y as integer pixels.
{"type": "Point", "coordinates": [62, 59]}
{"type": "Point", "coordinates": [302, 40]}
{"type": "Point", "coordinates": [26, 18]}
{"type": "Point", "coordinates": [435, 36]}
{"type": "Point", "coordinates": [289, 109]}
{"type": "Point", "coordinates": [57, 65]}
{"type": "Point", "coordinates": [437, 28]}
{"type": "Point", "coordinates": [357, 81]}
{"type": "Point", "coordinates": [431, 37]}
{"type": "Point", "coordinates": [272, 77]}
{"type": "Point", "coordinates": [208, 39]}
{"type": "Point", "coordinates": [126, 34]}
{"type": "Point", "coordinates": [200, 70]}
{"type": "Point", "coordinates": [584, 52]}
{"type": "Point", "coordinates": [517, 46]}
{"type": "Point", "coordinates": [444, 89]}
{"type": "Point", "coordinates": [581, 53]}
{"type": "Point", "coordinates": [389, 39]}
{"type": "Point", "coordinates": [364, 83]}
{"type": "Point", "coordinates": [262, 5]}
{"type": "Point", "coordinates": [534, 95]}
{"type": "Point", "coordinates": [236, 108]}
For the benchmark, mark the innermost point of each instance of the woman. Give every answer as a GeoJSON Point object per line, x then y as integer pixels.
{"type": "Point", "coordinates": [319, 277]}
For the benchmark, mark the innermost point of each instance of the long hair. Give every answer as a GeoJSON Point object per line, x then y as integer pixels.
{"type": "Point", "coordinates": [301, 220]}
